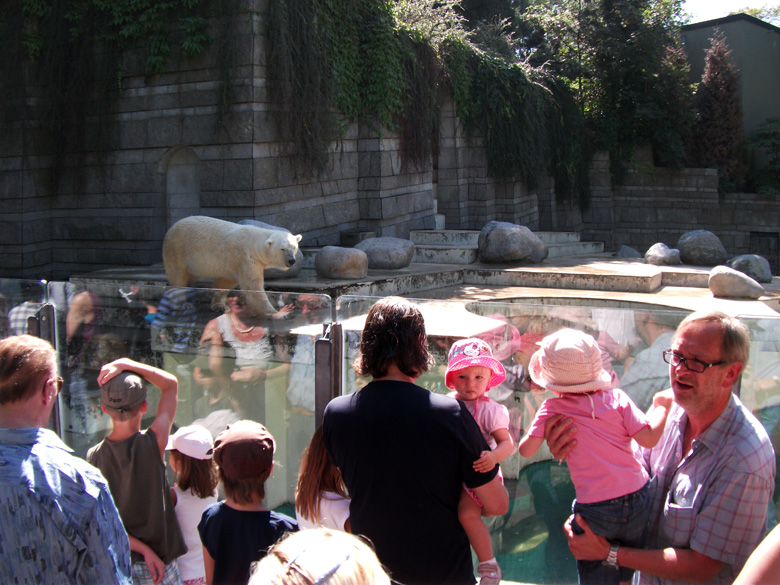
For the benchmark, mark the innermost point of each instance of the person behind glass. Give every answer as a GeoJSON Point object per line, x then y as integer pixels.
{"type": "Point", "coordinates": [712, 472]}
{"type": "Point", "coordinates": [133, 462]}
{"type": "Point", "coordinates": [190, 454]}
{"type": "Point", "coordinates": [240, 337]}
{"type": "Point", "coordinates": [58, 522]}
{"type": "Point", "coordinates": [610, 481]}
{"type": "Point", "coordinates": [471, 372]}
{"type": "Point", "coordinates": [405, 454]}
{"type": "Point", "coordinates": [321, 498]}
{"type": "Point", "coordinates": [319, 556]}
{"type": "Point", "coordinates": [240, 529]}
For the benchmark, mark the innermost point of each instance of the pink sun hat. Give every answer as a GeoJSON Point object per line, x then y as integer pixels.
{"type": "Point", "coordinates": [466, 353]}
{"type": "Point", "coordinates": [569, 361]}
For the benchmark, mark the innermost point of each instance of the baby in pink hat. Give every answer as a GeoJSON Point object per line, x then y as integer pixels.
{"type": "Point", "coordinates": [610, 480]}
{"type": "Point", "coordinates": [471, 372]}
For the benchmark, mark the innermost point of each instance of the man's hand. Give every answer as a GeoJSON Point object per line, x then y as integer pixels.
{"type": "Point", "coordinates": [559, 433]}
{"type": "Point", "coordinates": [587, 546]}
{"type": "Point", "coordinates": [485, 463]}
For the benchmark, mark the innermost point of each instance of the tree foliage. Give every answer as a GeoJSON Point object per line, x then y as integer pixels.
{"type": "Point", "coordinates": [766, 13]}
{"type": "Point", "coordinates": [718, 132]}
{"type": "Point", "coordinates": [624, 62]}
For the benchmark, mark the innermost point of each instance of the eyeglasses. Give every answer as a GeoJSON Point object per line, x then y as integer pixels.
{"type": "Point", "coordinates": [692, 364]}
{"type": "Point", "coordinates": [57, 383]}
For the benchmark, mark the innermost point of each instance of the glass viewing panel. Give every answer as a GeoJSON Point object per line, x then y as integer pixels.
{"type": "Point", "coordinates": [528, 541]}
{"type": "Point", "coordinates": [229, 365]}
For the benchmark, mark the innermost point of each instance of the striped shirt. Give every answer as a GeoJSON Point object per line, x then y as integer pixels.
{"type": "Point", "coordinates": [58, 522]}
{"type": "Point", "coordinates": [714, 500]}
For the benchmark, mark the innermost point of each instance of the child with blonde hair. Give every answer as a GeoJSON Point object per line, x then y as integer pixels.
{"type": "Point", "coordinates": [611, 482]}
{"type": "Point", "coordinates": [321, 498]}
{"type": "Point", "coordinates": [471, 372]}
{"type": "Point", "coordinates": [190, 454]}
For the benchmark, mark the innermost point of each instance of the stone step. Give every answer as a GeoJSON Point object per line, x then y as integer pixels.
{"type": "Point", "coordinates": [429, 254]}
{"type": "Point", "coordinates": [560, 250]}
{"type": "Point", "coordinates": [643, 281]}
{"type": "Point", "coordinates": [464, 238]}
{"type": "Point", "coordinates": [471, 237]}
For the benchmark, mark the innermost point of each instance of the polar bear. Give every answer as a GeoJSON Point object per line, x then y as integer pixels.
{"type": "Point", "coordinates": [204, 247]}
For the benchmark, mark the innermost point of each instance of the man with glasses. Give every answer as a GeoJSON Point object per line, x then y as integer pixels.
{"type": "Point", "coordinates": [58, 522]}
{"type": "Point", "coordinates": [712, 472]}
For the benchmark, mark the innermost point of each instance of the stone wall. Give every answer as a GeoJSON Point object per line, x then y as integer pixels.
{"type": "Point", "coordinates": [659, 205]}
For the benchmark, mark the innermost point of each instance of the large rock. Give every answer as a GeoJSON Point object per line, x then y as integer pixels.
{"type": "Point", "coordinates": [732, 284]}
{"type": "Point", "coordinates": [662, 255]}
{"type": "Point", "coordinates": [701, 248]}
{"type": "Point", "coordinates": [500, 241]}
{"type": "Point", "coordinates": [336, 262]}
{"type": "Point", "coordinates": [387, 253]}
{"type": "Point", "coordinates": [277, 273]}
{"type": "Point", "coordinates": [624, 251]}
{"type": "Point", "coordinates": [755, 266]}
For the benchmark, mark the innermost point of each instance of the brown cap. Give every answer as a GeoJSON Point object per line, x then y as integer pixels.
{"type": "Point", "coordinates": [244, 450]}
{"type": "Point", "coordinates": [123, 392]}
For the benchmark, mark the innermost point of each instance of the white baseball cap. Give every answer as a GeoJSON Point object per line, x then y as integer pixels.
{"type": "Point", "coordinates": [194, 441]}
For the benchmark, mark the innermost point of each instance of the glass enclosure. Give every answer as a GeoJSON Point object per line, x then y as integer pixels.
{"type": "Point", "coordinates": [272, 374]}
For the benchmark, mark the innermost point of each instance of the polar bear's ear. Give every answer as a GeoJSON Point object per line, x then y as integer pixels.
{"type": "Point", "coordinates": [269, 242]}
{"type": "Point", "coordinates": [298, 238]}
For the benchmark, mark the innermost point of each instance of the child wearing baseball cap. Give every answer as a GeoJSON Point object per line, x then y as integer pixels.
{"type": "Point", "coordinates": [133, 462]}
{"type": "Point", "coordinates": [239, 530]}
{"type": "Point", "coordinates": [471, 372]}
{"type": "Point", "coordinates": [611, 483]}
{"type": "Point", "coordinates": [191, 456]}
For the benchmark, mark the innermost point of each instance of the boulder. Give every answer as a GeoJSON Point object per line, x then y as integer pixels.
{"type": "Point", "coordinates": [728, 283]}
{"type": "Point", "coordinates": [701, 248]}
{"type": "Point", "coordinates": [501, 241]}
{"type": "Point", "coordinates": [624, 251]}
{"type": "Point", "coordinates": [662, 255]}
{"type": "Point", "coordinates": [387, 253]}
{"type": "Point", "coordinates": [277, 273]}
{"type": "Point", "coordinates": [755, 266]}
{"type": "Point", "coordinates": [338, 263]}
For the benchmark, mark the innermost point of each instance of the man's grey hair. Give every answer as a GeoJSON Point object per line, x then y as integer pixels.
{"type": "Point", "coordinates": [735, 345]}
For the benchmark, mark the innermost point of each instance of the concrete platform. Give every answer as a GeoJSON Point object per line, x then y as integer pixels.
{"type": "Point", "coordinates": [599, 279]}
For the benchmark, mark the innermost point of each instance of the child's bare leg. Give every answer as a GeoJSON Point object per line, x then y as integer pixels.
{"type": "Point", "coordinates": [470, 516]}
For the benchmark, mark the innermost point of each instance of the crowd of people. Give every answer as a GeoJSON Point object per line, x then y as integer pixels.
{"type": "Point", "coordinates": [395, 484]}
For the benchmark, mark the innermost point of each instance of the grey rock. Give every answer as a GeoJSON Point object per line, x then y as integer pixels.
{"type": "Point", "coordinates": [701, 248]}
{"type": "Point", "coordinates": [755, 266]}
{"type": "Point", "coordinates": [662, 255]}
{"type": "Point", "coordinates": [732, 284]}
{"type": "Point", "coordinates": [624, 251]}
{"type": "Point", "coordinates": [277, 273]}
{"type": "Point", "coordinates": [336, 262]}
{"type": "Point", "coordinates": [500, 241]}
{"type": "Point", "coordinates": [387, 253]}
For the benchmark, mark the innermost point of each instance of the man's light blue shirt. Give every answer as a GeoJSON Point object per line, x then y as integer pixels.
{"type": "Point", "coordinates": [58, 521]}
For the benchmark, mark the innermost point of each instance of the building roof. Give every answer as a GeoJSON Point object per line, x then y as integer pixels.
{"type": "Point", "coordinates": [729, 19]}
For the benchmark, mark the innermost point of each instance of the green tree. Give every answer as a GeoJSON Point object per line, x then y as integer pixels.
{"type": "Point", "coordinates": [718, 132]}
{"type": "Point", "coordinates": [766, 13]}
{"type": "Point", "coordinates": [623, 60]}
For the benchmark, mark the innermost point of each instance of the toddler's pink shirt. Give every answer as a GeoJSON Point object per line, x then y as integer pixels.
{"type": "Point", "coordinates": [603, 464]}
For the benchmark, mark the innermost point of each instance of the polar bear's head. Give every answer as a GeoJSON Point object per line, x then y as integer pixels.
{"type": "Point", "coordinates": [279, 249]}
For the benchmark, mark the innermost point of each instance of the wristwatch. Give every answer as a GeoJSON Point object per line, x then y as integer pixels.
{"type": "Point", "coordinates": [611, 559]}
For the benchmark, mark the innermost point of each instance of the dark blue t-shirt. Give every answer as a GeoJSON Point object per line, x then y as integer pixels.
{"type": "Point", "coordinates": [405, 453]}
{"type": "Point", "coordinates": [235, 539]}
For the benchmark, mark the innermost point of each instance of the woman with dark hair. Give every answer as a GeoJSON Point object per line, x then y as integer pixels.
{"type": "Point", "coordinates": [405, 453]}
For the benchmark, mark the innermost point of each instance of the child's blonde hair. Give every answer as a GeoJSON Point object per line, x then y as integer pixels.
{"type": "Point", "coordinates": [321, 555]}
{"type": "Point", "coordinates": [316, 475]}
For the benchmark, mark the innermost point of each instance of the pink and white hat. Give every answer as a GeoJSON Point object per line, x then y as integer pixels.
{"type": "Point", "coordinates": [466, 353]}
{"type": "Point", "coordinates": [569, 361]}
{"type": "Point", "coordinates": [194, 441]}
